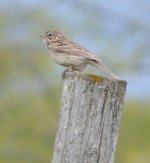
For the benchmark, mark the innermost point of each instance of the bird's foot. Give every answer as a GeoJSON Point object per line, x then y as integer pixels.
{"type": "Point", "coordinates": [70, 69]}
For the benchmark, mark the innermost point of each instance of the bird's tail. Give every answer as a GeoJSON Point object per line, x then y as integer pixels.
{"type": "Point", "coordinates": [101, 66]}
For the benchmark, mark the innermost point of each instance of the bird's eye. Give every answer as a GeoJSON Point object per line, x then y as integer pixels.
{"type": "Point", "coordinates": [49, 34]}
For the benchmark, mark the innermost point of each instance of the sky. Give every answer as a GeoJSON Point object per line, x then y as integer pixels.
{"type": "Point", "coordinates": [137, 10]}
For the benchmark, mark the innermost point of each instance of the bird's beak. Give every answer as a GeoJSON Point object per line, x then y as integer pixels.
{"type": "Point", "coordinates": [43, 37]}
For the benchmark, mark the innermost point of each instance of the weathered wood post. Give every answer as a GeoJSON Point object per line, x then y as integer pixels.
{"type": "Point", "coordinates": [90, 115]}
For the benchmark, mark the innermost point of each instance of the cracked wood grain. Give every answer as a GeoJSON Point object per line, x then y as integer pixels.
{"type": "Point", "coordinates": [90, 114]}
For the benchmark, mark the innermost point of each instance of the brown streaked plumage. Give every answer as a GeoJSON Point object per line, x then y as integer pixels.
{"type": "Point", "coordinates": [69, 54]}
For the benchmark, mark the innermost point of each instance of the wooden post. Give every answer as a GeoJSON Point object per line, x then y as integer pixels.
{"type": "Point", "coordinates": [90, 115]}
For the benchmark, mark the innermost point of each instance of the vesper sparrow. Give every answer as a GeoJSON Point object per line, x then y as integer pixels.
{"type": "Point", "coordinates": [69, 54]}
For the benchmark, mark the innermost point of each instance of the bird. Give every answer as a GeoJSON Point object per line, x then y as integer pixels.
{"type": "Point", "coordinates": [69, 54]}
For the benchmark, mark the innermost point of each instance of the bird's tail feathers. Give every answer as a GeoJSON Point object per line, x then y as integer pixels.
{"type": "Point", "coordinates": [101, 66]}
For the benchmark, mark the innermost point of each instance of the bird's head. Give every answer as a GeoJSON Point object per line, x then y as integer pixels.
{"type": "Point", "coordinates": [52, 35]}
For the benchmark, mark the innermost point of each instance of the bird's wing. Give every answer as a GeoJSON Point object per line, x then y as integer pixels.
{"type": "Point", "coordinates": [77, 50]}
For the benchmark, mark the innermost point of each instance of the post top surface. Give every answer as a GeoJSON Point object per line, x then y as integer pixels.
{"type": "Point", "coordinates": [91, 77]}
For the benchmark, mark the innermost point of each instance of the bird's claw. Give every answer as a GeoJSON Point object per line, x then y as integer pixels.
{"type": "Point", "coordinates": [70, 69]}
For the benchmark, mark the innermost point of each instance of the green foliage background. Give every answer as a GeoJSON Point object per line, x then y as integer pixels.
{"type": "Point", "coordinates": [30, 87]}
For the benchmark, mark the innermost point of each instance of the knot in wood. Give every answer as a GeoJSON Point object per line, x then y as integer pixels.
{"type": "Point", "coordinates": [93, 152]}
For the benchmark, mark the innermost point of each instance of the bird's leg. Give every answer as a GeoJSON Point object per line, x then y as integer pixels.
{"type": "Point", "coordinates": [71, 68]}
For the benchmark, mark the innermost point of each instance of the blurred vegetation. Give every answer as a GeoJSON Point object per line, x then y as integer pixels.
{"type": "Point", "coordinates": [28, 124]}
{"type": "Point", "coordinates": [30, 83]}
{"type": "Point", "coordinates": [133, 143]}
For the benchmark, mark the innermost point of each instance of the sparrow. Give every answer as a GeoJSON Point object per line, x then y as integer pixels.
{"type": "Point", "coordinates": [67, 53]}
